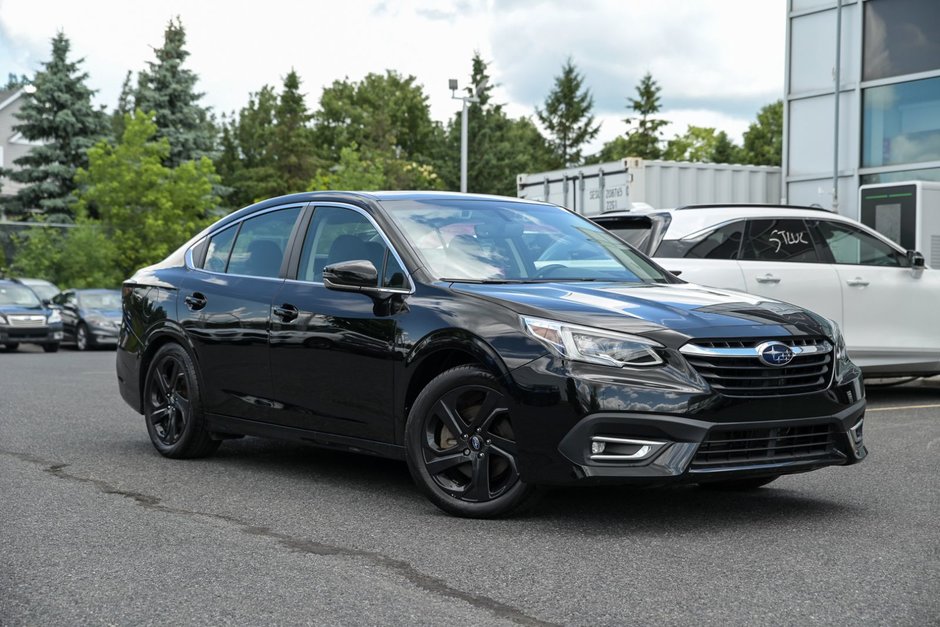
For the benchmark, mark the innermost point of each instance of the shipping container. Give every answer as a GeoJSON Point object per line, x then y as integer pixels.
{"type": "Point", "coordinates": [619, 185]}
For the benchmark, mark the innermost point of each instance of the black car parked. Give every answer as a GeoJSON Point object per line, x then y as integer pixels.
{"type": "Point", "coordinates": [91, 318]}
{"type": "Point", "coordinates": [25, 319]}
{"type": "Point", "coordinates": [435, 328]}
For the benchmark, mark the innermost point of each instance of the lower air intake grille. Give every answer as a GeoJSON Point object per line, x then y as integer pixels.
{"type": "Point", "coordinates": [734, 368]}
{"type": "Point", "coordinates": [730, 449]}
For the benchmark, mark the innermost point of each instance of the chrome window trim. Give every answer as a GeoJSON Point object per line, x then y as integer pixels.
{"type": "Point", "coordinates": [388, 243]}
{"type": "Point", "coordinates": [188, 257]}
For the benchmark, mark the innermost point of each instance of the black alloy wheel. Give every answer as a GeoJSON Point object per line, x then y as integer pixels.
{"type": "Point", "coordinates": [461, 447]}
{"type": "Point", "coordinates": [172, 408]}
{"type": "Point", "coordinates": [50, 348]}
{"type": "Point", "coordinates": [81, 337]}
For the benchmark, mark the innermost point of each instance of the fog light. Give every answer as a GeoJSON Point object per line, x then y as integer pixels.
{"type": "Point", "coordinates": [857, 431]}
{"type": "Point", "coordinates": [597, 447]}
{"type": "Point", "coordinates": [57, 335]}
{"type": "Point", "coordinates": [616, 449]}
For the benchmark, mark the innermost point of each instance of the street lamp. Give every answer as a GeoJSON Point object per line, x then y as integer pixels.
{"type": "Point", "coordinates": [463, 125]}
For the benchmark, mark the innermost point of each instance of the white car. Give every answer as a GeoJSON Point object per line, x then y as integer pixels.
{"type": "Point", "coordinates": [884, 298]}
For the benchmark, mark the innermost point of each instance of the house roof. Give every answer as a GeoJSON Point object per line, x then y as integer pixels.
{"type": "Point", "coordinates": [9, 96]}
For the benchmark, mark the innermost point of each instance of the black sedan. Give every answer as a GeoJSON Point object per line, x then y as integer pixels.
{"type": "Point", "coordinates": [452, 331]}
{"type": "Point", "coordinates": [90, 317]}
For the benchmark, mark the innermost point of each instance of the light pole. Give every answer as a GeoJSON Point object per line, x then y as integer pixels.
{"type": "Point", "coordinates": [463, 125]}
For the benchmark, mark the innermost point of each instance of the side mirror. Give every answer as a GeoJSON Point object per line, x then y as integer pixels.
{"type": "Point", "coordinates": [48, 304]}
{"type": "Point", "coordinates": [358, 275]}
{"type": "Point", "coordinates": [916, 260]}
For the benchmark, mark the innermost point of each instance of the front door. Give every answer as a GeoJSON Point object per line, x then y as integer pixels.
{"type": "Point", "coordinates": [332, 352]}
{"type": "Point", "coordinates": [225, 307]}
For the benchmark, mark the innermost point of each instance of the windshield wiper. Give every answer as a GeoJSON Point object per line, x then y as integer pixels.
{"type": "Point", "coordinates": [485, 281]}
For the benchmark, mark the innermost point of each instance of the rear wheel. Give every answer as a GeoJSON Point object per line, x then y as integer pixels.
{"type": "Point", "coordinates": [81, 337]}
{"type": "Point", "coordinates": [461, 447]}
{"type": "Point", "coordinates": [739, 485]}
{"type": "Point", "coordinates": [172, 406]}
{"type": "Point", "coordinates": [50, 348]}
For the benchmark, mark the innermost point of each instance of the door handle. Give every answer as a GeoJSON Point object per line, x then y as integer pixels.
{"type": "Point", "coordinates": [286, 312]}
{"type": "Point", "coordinates": [768, 278]}
{"type": "Point", "coordinates": [857, 282]}
{"type": "Point", "coordinates": [195, 301]}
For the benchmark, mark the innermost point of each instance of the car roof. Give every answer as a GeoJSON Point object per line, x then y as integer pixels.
{"type": "Point", "coordinates": [694, 218]}
{"type": "Point", "coordinates": [28, 281]}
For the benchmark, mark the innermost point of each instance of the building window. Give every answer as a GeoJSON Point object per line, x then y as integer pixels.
{"type": "Point", "coordinates": [901, 37]}
{"type": "Point", "coordinates": [927, 174]}
{"type": "Point", "coordinates": [901, 123]}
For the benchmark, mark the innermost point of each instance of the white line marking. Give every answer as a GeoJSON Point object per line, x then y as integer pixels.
{"type": "Point", "coordinates": [903, 407]}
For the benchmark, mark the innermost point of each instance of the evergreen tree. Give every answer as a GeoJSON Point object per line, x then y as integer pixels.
{"type": "Point", "coordinates": [725, 150]}
{"type": "Point", "coordinates": [167, 90]}
{"type": "Point", "coordinates": [644, 140]}
{"type": "Point", "coordinates": [125, 106]}
{"type": "Point", "coordinates": [246, 161]}
{"type": "Point", "coordinates": [763, 140]}
{"type": "Point", "coordinates": [59, 114]}
{"type": "Point", "coordinates": [15, 81]}
{"type": "Point", "coordinates": [567, 115]}
{"type": "Point", "coordinates": [292, 147]}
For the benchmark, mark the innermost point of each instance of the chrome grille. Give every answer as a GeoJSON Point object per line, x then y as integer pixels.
{"type": "Point", "coordinates": [733, 368]}
{"type": "Point", "coordinates": [730, 449]}
{"type": "Point", "coordinates": [29, 320]}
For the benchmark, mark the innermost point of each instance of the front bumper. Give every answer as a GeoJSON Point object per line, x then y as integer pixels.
{"type": "Point", "coordinates": [580, 425]}
{"type": "Point", "coordinates": [102, 335]}
{"type": "Point", "coordinates": [45, 334]}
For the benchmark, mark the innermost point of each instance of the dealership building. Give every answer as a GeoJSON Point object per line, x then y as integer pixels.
{"type": "Point", "coordinates": [884, 55]}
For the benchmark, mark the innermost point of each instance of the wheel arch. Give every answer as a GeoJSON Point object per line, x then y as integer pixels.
{"type": "Point", "coordinates": [157, 338]}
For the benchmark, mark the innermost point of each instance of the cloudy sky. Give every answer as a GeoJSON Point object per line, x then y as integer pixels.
{"type": "Point", "coordinates": [717, 61]}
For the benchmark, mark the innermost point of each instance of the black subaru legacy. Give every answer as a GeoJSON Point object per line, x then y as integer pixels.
{"type": "Point", "coordinates": [494, 344]}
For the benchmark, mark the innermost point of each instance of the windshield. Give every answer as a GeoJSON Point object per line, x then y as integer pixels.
{"type": "Point", "coordinates": [101, 300]}
{"type": "Point", "coordinates": [506, 241]}
{"type": "Point", "coordinates": [18, 295]}
{"type": "Point", "coordinates": [44, 290]}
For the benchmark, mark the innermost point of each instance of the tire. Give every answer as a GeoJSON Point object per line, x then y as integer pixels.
{"type": "Point", "coordinates": [82, 339]}
{"type": "Point", "coordinates": [11, 346]}
{"type": "Point", "coordinates": [173, 407]}
{"type": "Point", "coordinates": [460, 446]}
{"type": "Point", "coordinates": [51, 348]}
{"type": "Point", "coordinates": [738, 485]}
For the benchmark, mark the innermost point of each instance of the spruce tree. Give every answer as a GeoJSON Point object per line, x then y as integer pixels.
{"type": "Point", "coordinates": [292, 150]}
{"type": "Point", "coordinates": [58, 115]}
{"type": "Point", "coordinates": [567, 115]}
{"type": "Point", "coordinates": [125, 106]}
{"type": "Point", "coordinates": [167, 90]}
{"type": "Point", "coordinates": [644, 140]}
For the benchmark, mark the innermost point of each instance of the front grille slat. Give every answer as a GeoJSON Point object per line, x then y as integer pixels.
{"type": "Point", "coordinates": [730, 370]}
{"type": "Point", "coordinates": [730, 449]}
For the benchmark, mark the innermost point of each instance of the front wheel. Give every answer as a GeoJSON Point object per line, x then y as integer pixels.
{"type": "Point", "coordinates": [11, 346]}
{"type": "Point", "coordinates": [50, 348]}
{"type": "Point", "coordinates": [172, 406]}
{"type": "Point", "coordinates": [81, 337]}
{"type": "Point", "coordinates": [461, 447]}
{"type": "Point", "coordinates": [739, 485]}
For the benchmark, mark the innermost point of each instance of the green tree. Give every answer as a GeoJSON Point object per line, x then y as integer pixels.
{"type": "Point", "coordinates": [59, 114]}
{"type": "Point", "coordinates": [146, 208]}
{"type": "Point", "coordinates": [763, 140]}
{"type": "Point", "coordinates": [499, 147]}
{"type": "Point", "coordinates": [125, 105]}
{"type": "Point", "coordinates": [291, 148]}
{"type": "Point", "coordinates": [246, 162]}
{"type": "Point", "coordinates": [351, 173]}
{"type": "Point", "coordinates": [15, 81]}
{"type": "Point", "coordinates": [567, 115]}
{"type": "Point", "coordinates": [82, 256]}
{"type": "Point", "coordinates": [385, 114]}
{"type": "Point", "coordinates": [700, 143]}
{"type": "Point", "coordinates": [644, 138]}
{"type": "Point", "coordinates": [167, 89]}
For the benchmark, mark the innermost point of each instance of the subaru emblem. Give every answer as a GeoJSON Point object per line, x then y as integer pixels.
{"type": "Point", "coordinates": [774, 353]}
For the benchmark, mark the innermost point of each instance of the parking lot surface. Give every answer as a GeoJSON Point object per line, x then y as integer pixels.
{"type": "Point", "coordinates": [97, 528]}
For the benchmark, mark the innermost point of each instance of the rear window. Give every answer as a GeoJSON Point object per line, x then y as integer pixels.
{"type": "Point", "coordinates": [779, 240]}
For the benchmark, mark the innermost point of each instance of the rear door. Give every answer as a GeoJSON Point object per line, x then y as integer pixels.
{"type": "Point", "coordinates": [781, 259]}
{"type": "Point", "coordinates": [891, 311]}
{"type": "Point", "coordinates": [226, 306]}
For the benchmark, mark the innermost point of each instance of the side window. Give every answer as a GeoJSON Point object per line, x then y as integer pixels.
{"type": "Point", "coordinates": [336, 234]}
{"type": "Point", "coordinates": [779, 240]}
{"type": "Point", "coordinates": [220, 247]}
{"type": "Point", "coordinates": [394, 275]}
{"type": "Point", "coordinates": [852, 246]}
{"type": "Point", "coordinates": [722, 243]}
{"type": "Point", "coordinates": [261, 242]}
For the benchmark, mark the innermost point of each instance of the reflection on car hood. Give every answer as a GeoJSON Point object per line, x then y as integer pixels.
{"type": "Point", "coordinates": [691, 310]}
{"type": "Point", "coordinates": [110, 314]}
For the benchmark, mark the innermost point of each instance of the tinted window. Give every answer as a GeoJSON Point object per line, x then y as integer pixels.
{"type": "Point", "coordinates": [849, 245]}
{"type": "Point", "coordinates": [722, 243]}
{"type": "Point", "coordinates": [779, 240]}
{"type": "Point", "coordinates": [900, 37]}
{"type": "Point", "coordinates": [335, 235]}
{"type": "Point", "coordinates": [220, 246]}
{"type": "Point", "coordinates": [261, 242]}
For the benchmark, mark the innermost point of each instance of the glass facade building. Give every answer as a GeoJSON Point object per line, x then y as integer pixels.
{"type": "Point", "coordinates": [888, 116]}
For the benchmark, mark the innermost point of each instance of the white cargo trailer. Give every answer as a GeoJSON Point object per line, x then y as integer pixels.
{"type": "Point", "coordinates": [617, 185]}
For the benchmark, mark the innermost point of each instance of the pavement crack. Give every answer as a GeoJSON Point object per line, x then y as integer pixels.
{"type": "Point", "coordinates": [411, 574]}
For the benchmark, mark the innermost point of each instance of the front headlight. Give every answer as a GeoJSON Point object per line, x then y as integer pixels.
{"type": "Point", "coordinates": [838, 340]}
{"type": "Point", "coordinates": [595, 346]}
{"type": "Point", "coordinates": [54, 317]}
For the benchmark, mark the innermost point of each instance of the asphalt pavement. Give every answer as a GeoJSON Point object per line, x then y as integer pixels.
{"type": "Point", "coordinates": [97, 528]}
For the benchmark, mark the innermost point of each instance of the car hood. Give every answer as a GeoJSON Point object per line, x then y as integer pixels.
{"type": "Point", "coordinates": [685, 309]}
{"type": "Point", "coordinates": [110, 314]}
{"type": "Point", "coordinates": [19, 309]}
